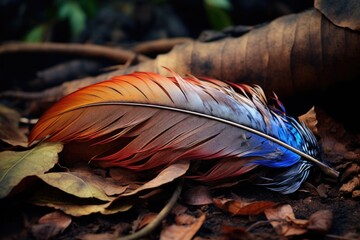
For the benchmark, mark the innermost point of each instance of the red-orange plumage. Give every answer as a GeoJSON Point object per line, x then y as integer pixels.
{"type": "Point", "coordinates": [145, 121]}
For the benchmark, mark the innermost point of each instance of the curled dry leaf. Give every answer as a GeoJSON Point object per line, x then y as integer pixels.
{"type": "Point", "coordinates": [15, 166]}
{"type": "Point", "coordinates": [241, 207]}
{"type": "Point", "coordinates": [282, 218]}
{"type": "Point", "coordinates": [51, 225]}
{"type": "Point", "coordinates": [182, 232]}
{"type": "Point", "coordinates": [341, 13]}
{"type": "Point", "coordinates": [167, 175]}
{"type": "Point", "coordinates": [310, 120]}
{"type": "Point", "coordinates": [198, 195]}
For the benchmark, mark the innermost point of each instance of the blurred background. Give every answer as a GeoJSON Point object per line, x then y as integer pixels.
{"type": "Point", "coordinates": [126, 22]}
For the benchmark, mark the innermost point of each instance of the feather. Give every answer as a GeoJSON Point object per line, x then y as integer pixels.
{"type": "Point", "coordinates": [144, 122]}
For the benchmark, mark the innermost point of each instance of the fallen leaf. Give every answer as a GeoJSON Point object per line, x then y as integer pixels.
{"type": "Point", "coordinates": [321, 221]}
{"type": "Point", "coordinates": [310, 120]}
{"type": "Point", "coordinates": [167, 175]}
{"type": "Point", "coordinates": [182, 232]}
{"type": "Point", "coordinates": [51, 225]}
{"type": "Point", "coordinates": [241, 207]}
{"type": "Point", "coordinates": [69, 204]}
{"type": "Point", "coordinates": [282, 218]}
{"type": "Point", "coordinates": [71, 183]}
{"type": "Point", "coordinates": [84, 184]}
{"type": "Point", "coordinates": [198, 195]}
{"type": "Point", "coordinates": [341, 13]}
{"type": "Point", "coordinates": [351, 185]}
{"type": "Point", "coordinates": [15, 166]}
{"type": "Point", "coordinates": [9, 127]}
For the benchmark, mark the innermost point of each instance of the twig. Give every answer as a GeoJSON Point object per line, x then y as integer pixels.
{"type": "Point", "coordinates": [91, 50]}
{"type": "Point", "coordinates": [159, 46]}
{"type": "Point", "coordinates": [156, 222]}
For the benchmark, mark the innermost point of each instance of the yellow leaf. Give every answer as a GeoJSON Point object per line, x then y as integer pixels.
{"type": "Point", "coordinates": [15, 166]}
{"type": "Point", "coordinates": [82, 185]}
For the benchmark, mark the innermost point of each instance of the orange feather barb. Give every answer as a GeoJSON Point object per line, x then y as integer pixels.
{"type": "Point", "coordinates": [145, 122]}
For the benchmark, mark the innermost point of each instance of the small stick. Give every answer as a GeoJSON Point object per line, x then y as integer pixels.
{"type": "Point", "coordinates": [91, 50]}
{"type": "Point", "coordinates": [156, 222]}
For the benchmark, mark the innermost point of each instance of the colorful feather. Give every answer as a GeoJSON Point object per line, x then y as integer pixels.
{"type": "Point", "coordinates": [144, 122]}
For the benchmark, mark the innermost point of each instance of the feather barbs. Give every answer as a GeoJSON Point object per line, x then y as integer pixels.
{"type": "Point", "coordinates": [169, 119]}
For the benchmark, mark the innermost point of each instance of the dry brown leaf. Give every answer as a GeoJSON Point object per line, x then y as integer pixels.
{"type": "Point", "coordinates": [341, 13]}
{"type": "Point", "coordinates": [310, 120]}
{"type": "Point", "coordinates": [282, 218]}
{"type": "Point", "coordinates": [198, 195]}
{"type": "Point", "coordinates": [167, 175]}
{"type": "Point", "coordinates": [182, 232]}
{"type": "Point", "coordinates": [51, 225]}
{"type": "Point", "coordinates": [9, 127]}
{"type": "Point", "coordinates": [320, 222]}
{"type": "Point", "coordinates": [292, 54]}
{"type": "Point", "coordinates": [351, 185]}
{"type": "Point", "coordinates": [242, 207]}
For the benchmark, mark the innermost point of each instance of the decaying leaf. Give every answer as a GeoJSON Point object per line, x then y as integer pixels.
{"type": "Point", "coordinates": [167, 175]}
{"type": "Point", "coordinates": [15, 166]}
{"type": "Point", "coordinates": [75, 184]}
{"type": "Point", "coordinates": [242, 207]}
{"type": "Point", "coordinates": [341, 13]}
{"type": "Point", "coordinates": [310, 120]}
{"type": "Point", "coordinates": [351, 185]}
{"type": "Point", "coordinates": [182, 231]}
{"type": "Point", "coordinates": [292, 54]}
{"type": "Point", "coordinates": [51, 197]}
{"type": "Point", "coordinates": [9, 127]}
{"type": "Point", "coordinates": [50, 225]}
{"type": "Point", "coordinates": [282, 218]}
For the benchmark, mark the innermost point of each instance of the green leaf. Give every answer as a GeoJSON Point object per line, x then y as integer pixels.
{"type": "Point", "coordinates": [224, 4]}
{"type": "Point", "coordinates": [15, 166]}
{"type": "Point", "coordinates": [71, 11]}
{"type": "Point", "coordinates": [36, 34]}
{"type": "Point", "coordinates": [218, 17]}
